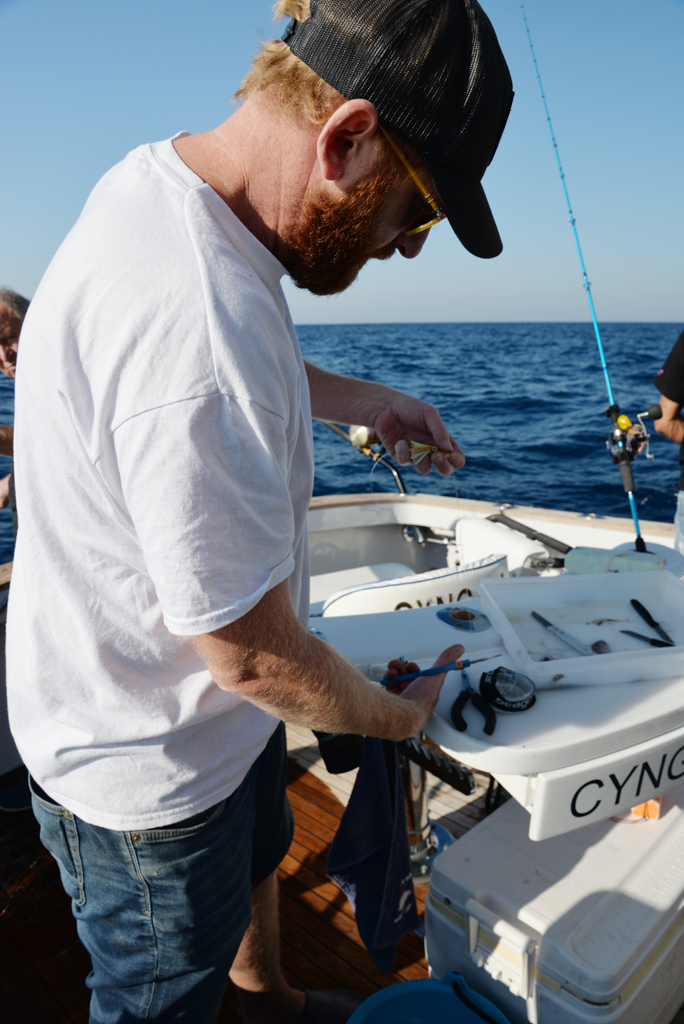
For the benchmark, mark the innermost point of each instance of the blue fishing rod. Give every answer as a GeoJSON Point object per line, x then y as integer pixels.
{"type": "Point", "coordinates": [626, 439]}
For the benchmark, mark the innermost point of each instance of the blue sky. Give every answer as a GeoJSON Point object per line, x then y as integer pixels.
{"type": "Point", "coordinates": [86, 81]}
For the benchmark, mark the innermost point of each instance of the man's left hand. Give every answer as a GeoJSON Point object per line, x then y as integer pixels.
{"type": "Point", "coordinates": [408, 419]}
{"type": "Point", "coordinates": [397, 418]}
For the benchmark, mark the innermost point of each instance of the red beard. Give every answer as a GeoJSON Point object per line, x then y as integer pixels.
{"type": "Point", "coordinates": [335, 238]}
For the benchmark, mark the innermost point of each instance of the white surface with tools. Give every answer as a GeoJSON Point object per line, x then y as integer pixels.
{"type": "Point", "coordinates": [564, 727]}
{"type": "Point", "coordinates": [560, 757]}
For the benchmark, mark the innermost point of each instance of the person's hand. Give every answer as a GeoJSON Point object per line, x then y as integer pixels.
{"type": "Point", "coordinates": [409, 419]}
{"type": "Point", "coordinates": [424, 690]}
{"type": "Point", "coordinates": [4, 491]}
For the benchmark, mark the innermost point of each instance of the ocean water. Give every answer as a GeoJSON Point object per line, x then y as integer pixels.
{"type": "Point", "coordinates": [526, 402]}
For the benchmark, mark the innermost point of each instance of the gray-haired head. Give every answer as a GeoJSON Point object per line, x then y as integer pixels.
{"type": "Point", "coordinates": [15, 302]}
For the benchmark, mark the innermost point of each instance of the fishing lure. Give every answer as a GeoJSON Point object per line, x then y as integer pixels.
{"type": "Point", "coordinates": [420, 451]}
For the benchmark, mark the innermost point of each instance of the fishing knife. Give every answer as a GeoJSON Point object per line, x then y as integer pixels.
{"type": "Point", "coordinates": [649, 620]}
{"type": "Point", "coordinates": [647, 639]}
{"type": "Point", "coordinates": [572, 641]}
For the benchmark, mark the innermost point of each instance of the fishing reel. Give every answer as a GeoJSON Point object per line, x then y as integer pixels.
{"type": "Point", "coordinates": [627, 440]}
{"type": "Point", "coordinates": [365, 438]}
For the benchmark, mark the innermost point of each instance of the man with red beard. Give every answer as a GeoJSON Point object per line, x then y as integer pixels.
{"type": "Point", "coordinates": [157, 623]}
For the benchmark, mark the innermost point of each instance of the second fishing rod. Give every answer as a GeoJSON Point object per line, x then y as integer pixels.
{"type": "Point", "coordinates": [626, 439]}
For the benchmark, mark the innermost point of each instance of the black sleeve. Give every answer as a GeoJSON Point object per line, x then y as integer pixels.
{"type": "Point", "coordinates": [670, 380]}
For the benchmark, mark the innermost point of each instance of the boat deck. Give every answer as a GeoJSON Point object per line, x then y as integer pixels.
{"type": "Point", "coordinates": [43, 967]}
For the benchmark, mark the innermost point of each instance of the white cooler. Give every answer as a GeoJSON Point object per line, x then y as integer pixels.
{"type": "Point", "coordinates": [588, 926]}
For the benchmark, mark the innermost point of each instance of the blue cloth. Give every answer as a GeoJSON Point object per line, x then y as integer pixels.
{"type": "Point", "coordinates": [162, 913]}
{"type": "Point", "coordinates": [369, 858]}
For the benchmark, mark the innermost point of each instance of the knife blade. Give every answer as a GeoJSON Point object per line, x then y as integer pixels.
{"type": "Point", "coordinates": [562, 635]}
{"type": "Point", "coordinates": [649, 620]}
{"type": "Point", "coordinates": [647, 639]}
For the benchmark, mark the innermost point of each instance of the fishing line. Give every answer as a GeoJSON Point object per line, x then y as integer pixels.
{"type": "Point", "coordinates": [370, 481]}
{"type": "Point", "coordinates": [623, 455]}
{"type": "Point", "coordinates": [652, 494]}
{"type": "Point", "coordinates": [461, 553]}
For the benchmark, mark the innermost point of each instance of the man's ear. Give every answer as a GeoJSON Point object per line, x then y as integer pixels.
{"type": "Point", "coordinates": [342, 149]}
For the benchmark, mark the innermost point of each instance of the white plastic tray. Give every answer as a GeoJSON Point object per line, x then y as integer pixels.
{"type": "Point", "coordinates": [591, 608]}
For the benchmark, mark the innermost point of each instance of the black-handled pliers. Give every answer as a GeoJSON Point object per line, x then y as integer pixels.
{"type": "Point", "coordinates": [468, 693]}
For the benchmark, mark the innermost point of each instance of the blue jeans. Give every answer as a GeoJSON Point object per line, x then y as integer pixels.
{"type": "Point", "coordinates": [162, 913]}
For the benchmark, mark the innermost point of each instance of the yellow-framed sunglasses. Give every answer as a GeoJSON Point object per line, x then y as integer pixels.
{"type": "Point", "coordinates": [438, 212]}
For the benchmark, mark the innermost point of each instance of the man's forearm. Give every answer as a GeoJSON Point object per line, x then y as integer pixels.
{"type": "Point", "coordinates": [345, 399]}
{"type": "Point", "coordinates": [670, 424]}
{"type": "Point", "coordinates": [321, 690]}
{"type": "Point", "coordinates": [6, 440]}
{"type": "Point", "coordinates": [397, 418]}
{"type": "Point", "coordinates": [270, 660]}
{"type": "Point", "coordinates": [672, 429]}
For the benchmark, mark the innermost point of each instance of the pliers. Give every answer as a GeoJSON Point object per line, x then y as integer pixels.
{"type": "Point", "coordinates": [467, 693]}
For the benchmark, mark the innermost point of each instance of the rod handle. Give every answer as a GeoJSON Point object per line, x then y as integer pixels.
{"type": "Point", "coordinates": [627, 474]}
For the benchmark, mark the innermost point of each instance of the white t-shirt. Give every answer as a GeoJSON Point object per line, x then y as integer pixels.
{"type": "Point", "coordinates": [164, 467]}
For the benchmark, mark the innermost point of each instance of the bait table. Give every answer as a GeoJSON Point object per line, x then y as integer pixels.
{"type": "Point", "coordinates": [579, 756]}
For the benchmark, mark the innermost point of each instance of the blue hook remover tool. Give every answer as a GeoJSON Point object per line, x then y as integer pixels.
{"type": "Point", "coordinates": [452, 666]}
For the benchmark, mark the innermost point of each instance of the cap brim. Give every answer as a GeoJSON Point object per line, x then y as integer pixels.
{"type": "Point", "coordinates": [467, 209]}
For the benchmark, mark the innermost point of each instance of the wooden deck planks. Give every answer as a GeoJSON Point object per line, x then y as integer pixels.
{"type": "Point", "coordinates": [43, 966]}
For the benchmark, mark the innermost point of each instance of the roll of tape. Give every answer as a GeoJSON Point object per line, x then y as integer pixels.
{"type": "Point", "coordinates": [462, 617]}
{"type": "Point", "coordinates": [507, 691]}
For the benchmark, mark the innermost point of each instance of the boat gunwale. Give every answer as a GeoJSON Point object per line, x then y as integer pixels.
{"type": "Point", "coordinates": [485, 508]}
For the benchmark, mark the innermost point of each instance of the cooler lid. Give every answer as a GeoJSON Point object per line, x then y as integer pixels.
{"type": "Point", "coordinates": [600, 902]}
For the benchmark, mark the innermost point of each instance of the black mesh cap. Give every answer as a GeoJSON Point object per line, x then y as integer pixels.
{"type": "Point", "coordinates": [435, 73]}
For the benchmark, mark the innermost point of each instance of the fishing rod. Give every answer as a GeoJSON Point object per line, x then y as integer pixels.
{"type": "Point", "coordinates": [626, 439]}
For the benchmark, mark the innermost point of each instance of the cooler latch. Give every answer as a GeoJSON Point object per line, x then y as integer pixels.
{"type": "Point", "coordinates": [503, 950]}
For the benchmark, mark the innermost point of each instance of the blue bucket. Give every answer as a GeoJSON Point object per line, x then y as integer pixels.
{"type": "Point", "coordinates": [445, 1001]}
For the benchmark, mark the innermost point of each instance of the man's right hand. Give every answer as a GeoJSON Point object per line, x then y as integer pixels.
{"type": "Point", "coordinates": [423, 691]}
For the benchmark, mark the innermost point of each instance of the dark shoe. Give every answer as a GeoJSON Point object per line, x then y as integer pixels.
{"type": "Point", "coordinates": [329, 1006]}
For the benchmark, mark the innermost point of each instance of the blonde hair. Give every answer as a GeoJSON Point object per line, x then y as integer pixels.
{"type": "Point", "coordinates": [292, 86]}
{"type": "Point", "coordinates": [296, 90]}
